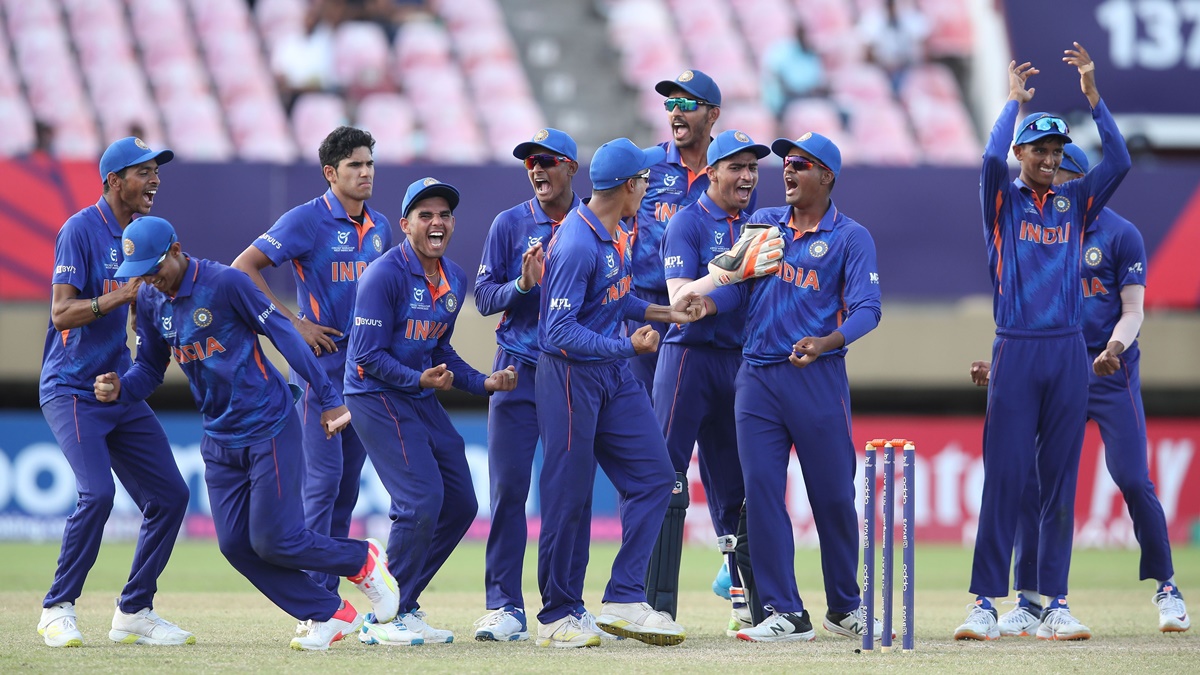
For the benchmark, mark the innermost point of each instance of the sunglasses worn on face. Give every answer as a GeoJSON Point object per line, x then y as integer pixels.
{"type": "Point", "coordinates": [544, 161]}
{"type": "Point", "coordinates": [684, 104]}
{"type": "Point", "coordinates": [1049, 123]}
{"type": "Point", "coordinates": [645, 175]}
{"type": "Point", "coordinates": [158, 264]}
{"type": "Point", "coordinates": [800, 163]}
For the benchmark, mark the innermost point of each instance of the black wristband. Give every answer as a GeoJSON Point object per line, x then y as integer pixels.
{"type": "Point", "coordinates": [96, 307]}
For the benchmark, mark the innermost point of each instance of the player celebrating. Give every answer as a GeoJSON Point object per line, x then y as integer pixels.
{"type": "Point", "coordinates": [330, 241]}
{"type": "Point", "coordinates": [591, 409]}
{"type": "Point", "coordinates": [86, 337]}
{"type": "Point", "coordinates": [208, 317]}
{"type": "Point", "coordinates": [509, 281]}
{"type": "Point", "coordinates": [399, 353]}
{"type": "Point", "coordinates": [1037, 402]}
{"type": "Point", "coordinates": [693, 390]}
{"type": "Point", "coordinates": [826, 289]}
{"type": "Point", "coordinates": [1114, 287]}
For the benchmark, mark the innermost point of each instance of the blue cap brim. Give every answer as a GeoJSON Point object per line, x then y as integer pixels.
{"type": "Point", "coordinates": [435, 190]}
{"type": "Point", "coordinates": [159, 156]}
{"type": "Point", "coordinates": [1028, 136]}
{"type": "Point", "coordinates": [528, 147]}
{"type": "Point", "coordinates": [135, 268]}
{"type": "Point", "coordinates": [758, 149]}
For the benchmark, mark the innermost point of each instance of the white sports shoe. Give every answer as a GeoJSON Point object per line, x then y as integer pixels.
{"type": "Point", "coordinates": [980, 624]}
{"type": "Point", "coordinates": [739, 619]}
{"type": "Point", "coordinates": [391, 633]}
{"type": "Point", "coordinates": [639, 621]}
{"type": "Point", "coordinates": [567, 633]}
{"type": "Point", "coordinates": [853, 624]}
{"type": "Point", "coordinates": [781, 627]}
{"type": "Point", "coordinates": [1172, 613]}
{"type": "Point", "coordinates": [377, 583]}
{"type": "Point", "coordinates": [58, 628]}
{"type": "Point", "coordinates": [588, 621]}
{"type": "Point", "coordinates": [321, 634]}
{"type": "Point", "coordinates": [1058, 624]}
{"type": "Point", "coordinates": [1021, 621]}
{"type": "Point", "coordinates": [506, 624]}
{"type": "Point", "coordinates": [415, 622]}
{"type": "Point", "coordinates": [147, 628]}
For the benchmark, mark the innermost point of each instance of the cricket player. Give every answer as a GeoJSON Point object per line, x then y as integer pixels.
{"type": "Point", "coordinates": [823, 296]}
{"type": "Point", "coordinates": [592, 411]}
{"type": "Point", "coordinates": [693, 103]}
{"type": "Point", "coordinates": [399, 353]}
{"type": "Point", "coordinates": [330, 241]}
{"type": "Point", "coordinates": [1114, 285]}
{"type": "Point", "coordinates": [208, 318]}
{"type": "Point", "coordinates": [1037, 401]}
{"type": "Point", "coordinates": [509, 281]}
{"type": "Point", "coordinates": [697, 363]}
{"type": "Point", "coordinates": [85, 337]}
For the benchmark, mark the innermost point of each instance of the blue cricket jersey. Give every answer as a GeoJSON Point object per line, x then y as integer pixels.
{"type": "Point", "coordinates": [672, 186]}
{"type": "Point", "coordinates": [585, 292]}
{"type": "Point", "coordinates": [402, 327]}
{"type": "Point", "coordinates": [512, 233]}
{"type": "Point", "coordinates": [211, 328]}
{"type": "Point", "coordinates": [696, 234]}
{"type": "Point", "coordinates": [1035, 247]}
{"type": "Point", "coordinates": [87, 253]}
{"type": "Point", "coordinates": [329, 253]}
{"type": "Point", "coordinates": [827, 281]}
{"type": "Point", "coordinates": [1114, 256]}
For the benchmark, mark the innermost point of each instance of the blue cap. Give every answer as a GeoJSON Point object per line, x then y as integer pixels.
{"type": "Point", "coordinates": [145, 241]}
{"type": "Point", "coordinates": [127, 152]}
{"type": "Point", "coordinates": [732, 142]}
{"type": "Point", "coordinates": [429, 187]}
{"type": "Point", "coordinates": [695, 83]}
{"type": "Point", "coordinates": [619, 160]}
{"type": "Point", "coordinates": [820, 147]}
{"type": "Point", "coordinates": [1074, 159]}
{"type": "Point", "coordinates": [550, 139]}
{"type": "Point", "coordinates": [1027, 133]}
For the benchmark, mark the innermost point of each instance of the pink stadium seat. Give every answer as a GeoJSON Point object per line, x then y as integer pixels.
{"type": "Point", "coordinates": [230, 16]}
{"type": "Point", "coordinates": [859, 84]}
{"type": "Point", "coordinates": [482, 45]}
{"type": "Point", "coordinates": [23, 15]}
{"type": "Point", "coordinates": [881, 135]}
{"type": "Point", "coordinates": [180, 78]}
{"type": "Point", "coordinates": [472, 14]}
{"type": "Point", "coordinates": [439, 87]}
{"type": "Point", "coordinates": [390, 119]}
{"type": "Point", "coordinates": [261, 133]}
{"type": "Point", "coordinates": [830, 26]}
{"type": "Point", "coordinates": [751, 118]}
{"type": "Point", "coordinates": [278, 18]}
{"type": "Point", "coordinates": [819, 116]}
{"type": "Point", "coordinates": [951, 32]}
{"type": "Point", "coordinates": [763, 23]}
{"type": "Point", "coordinates": [75, 136]}
{"type": "Point", "coordinates": [508, 124]}
{"type": "Point", "coordinates": [931, 80]}
{"type": "Point", "coordinates": [422, 43]}
{"type": "Point", "coordinates": [17, 122]}
{"type": "Point", "coordinates": [944, 132]}
{"type": "Point", "coordinates": [499, 81]}
{"type": "Point", "coordinates": [361, 53]}
{"type": "Point", "coordinates": [454, 139]}
{"type": "Point", "coordinates": [314, 115]}
{"type": "Point", "coordinates": [195, 130]}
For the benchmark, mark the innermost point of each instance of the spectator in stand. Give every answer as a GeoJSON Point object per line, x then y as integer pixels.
{"type": "Point", "coordinates": [387, 13]}
{"type": "Point", "coordinates": [304, 63]}
{"type": "Point", "coordinates": [790, 71]}
{"type": "Point", "coordinates": [894, 36]}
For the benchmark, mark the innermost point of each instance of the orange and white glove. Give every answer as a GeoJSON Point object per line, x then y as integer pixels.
{"type": "Point", "coordinates": [755, 254]}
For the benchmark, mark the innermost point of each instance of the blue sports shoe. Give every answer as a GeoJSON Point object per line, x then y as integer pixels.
{"type": "Point", "coordinates": [722, 583]}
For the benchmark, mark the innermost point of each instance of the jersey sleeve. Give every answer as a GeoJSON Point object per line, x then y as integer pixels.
{"type": "Point", "coordinates": [153, 354]}
{"type": "Point", "coordinates": [993, 182]}
{"type": "Point", "coordinates": [1130, 258]}
{"type": "Point", "coordinates": [375, 327]}
{"type": "Point", "coordinates": [564, 290]}
{"type": "Point", "coordinates": [292, 236]}
{"type": "Point", "coordinates": [70, 257]}
{"type": "Point", "coordinates": [494, 291]}
{"type": "Point", "coordinates": [680, 249]}
{"type": "Point", "coordinates": [261, 314]}
{"type": "Point", "coordinates": [1099, 184]}
{"type": "Point", "coordinates": [860, 286]}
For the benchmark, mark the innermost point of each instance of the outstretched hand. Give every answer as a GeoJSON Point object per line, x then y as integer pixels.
{"type": "Point", "coordinates": [1017, 76]}
{"type": "Point", "coordinates": [1079, 58]}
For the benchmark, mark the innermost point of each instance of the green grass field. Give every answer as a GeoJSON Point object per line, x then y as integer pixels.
{"type": "Point", "coordinates": [237, 629]}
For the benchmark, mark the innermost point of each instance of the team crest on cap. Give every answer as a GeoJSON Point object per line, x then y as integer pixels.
{"type": "Point", "coordinates": [1061, 204]}
{"type": "Point", "coordinates": [140, 143]}
{"type": "Point", "coordinates": [741, 138]}
{"type": "Point", "coordinates": [686, 76]}
{"type": "Point", "coordinates": [1093, 256]}
{"type": "Point", "coordinates": [202, 316]}
{"type": "Point", "coordinates": [541, 135]}
{"type": "Point", "coordinates": [451, 302]}
{"type": "Point", "coordinates": [818, 248]}
{"type": "Point", "coordinates": [377, 242]}
{"type": "Point", "coordinates": [430, 181]}
{"type": "Point", "coordinates": [128, 246]}
{"type": "Point", "coordinates": [807, 135]}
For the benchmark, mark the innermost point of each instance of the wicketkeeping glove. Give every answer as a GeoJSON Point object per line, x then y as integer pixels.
{"type": "Point", "coordinates": [755, 254]}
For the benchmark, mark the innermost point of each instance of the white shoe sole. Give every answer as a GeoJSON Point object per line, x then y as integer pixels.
{"type": "Point", "coordinates": [127, 638]}
{"type": "Point", "coordinates": [488, 636]}
{"type": "Point", "coordinates": [791, 637]}
{"type": "Point", "coordinates": [592, 641]}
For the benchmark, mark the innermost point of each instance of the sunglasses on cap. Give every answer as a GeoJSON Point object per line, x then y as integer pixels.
{"type": "Point", "coordinates": [801, 163]}
{"type": "Point", "coordinates": [544, 161]}
{"type": "Point", "coordinates": [1049, 124]}
{"type": "Point", "coordinates": [684, 104]}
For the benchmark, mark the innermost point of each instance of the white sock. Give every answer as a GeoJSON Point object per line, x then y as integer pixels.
{"type": "Point", "coordinates": [1032, 596]}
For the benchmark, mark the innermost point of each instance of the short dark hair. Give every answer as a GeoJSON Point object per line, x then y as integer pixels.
{"type": "Point", "coordinates": [340, 144]}
{"type": "Point", "coordinates": [120, 174]}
